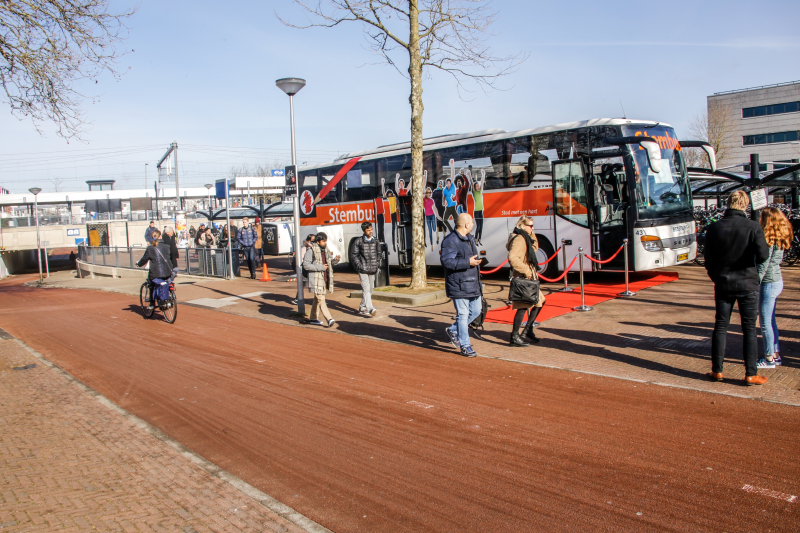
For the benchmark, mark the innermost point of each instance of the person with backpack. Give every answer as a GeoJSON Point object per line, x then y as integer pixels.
{"type": "Point", "coordinates": [365, 257]}
{"type": "Point", "coordinates": [522, 246]}
{"type": "Point", "coordinates": [462, 278]}
{"type": "Point", "coordinates": [160, 267]}
{"type": "Point", "coordinates": [319, 262]}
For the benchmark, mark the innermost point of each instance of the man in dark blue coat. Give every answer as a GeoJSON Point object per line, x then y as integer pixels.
{"type": "Point", "coordinates": [462, 281]}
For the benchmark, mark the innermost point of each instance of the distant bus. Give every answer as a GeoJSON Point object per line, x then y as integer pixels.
{"type": "Point", "coordinates": [593, 183]}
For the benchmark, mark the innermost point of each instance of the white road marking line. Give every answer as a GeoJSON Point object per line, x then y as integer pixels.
{"type": "Point", "coordinates": [216, 303]}
{"type": "Point", "coordinates": [244, 296]}
{"type": "Point", "coordinates": [419, 404]}
{"type": "Point", "coordinates": [771, 493]}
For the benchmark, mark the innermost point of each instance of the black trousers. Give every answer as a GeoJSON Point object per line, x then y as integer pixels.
{"type": "Point", "coordinates": [379, 224]}
{"type": "Point", "coordinates": [478, 217]}
{"type": "Point", "coordinates": [748, 310]}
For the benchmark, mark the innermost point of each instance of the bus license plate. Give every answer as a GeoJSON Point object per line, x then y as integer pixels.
{"type": "Point", "coordinates": [683, 257]}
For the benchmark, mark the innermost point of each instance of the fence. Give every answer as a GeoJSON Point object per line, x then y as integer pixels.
{"type": "Point", "coordinates": [62, 219]}
{"type": "Point", "coordinates": [212, 262]}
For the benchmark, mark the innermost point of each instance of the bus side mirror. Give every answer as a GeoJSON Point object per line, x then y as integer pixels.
{"type": "Point", "coordinates": [653, 154]}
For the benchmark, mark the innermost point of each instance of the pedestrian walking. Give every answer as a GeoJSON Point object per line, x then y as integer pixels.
{"type": "Point", "coordinates": [778, 234]}
{"type": "Point", "coordinates": [247, 243]}
{"type": "Point", "coordinates": [319, 262]}
{"type": "Point", "coordinates": [522, 246]}
{"type": "Point", "coordinates": [148, 232]}
{"type": "Point", "coordinates": [170, 240]}
{"type": "Point", "coordinates": [192, 232]}
{"type": "Point", "coordinates": [734, 246]}
{"type": "Point", "coordinates": [365, 257]}
{"type": "Point", "coordinates": [305, 247]}
{"type": "Point", "coordinates": [462, 281]}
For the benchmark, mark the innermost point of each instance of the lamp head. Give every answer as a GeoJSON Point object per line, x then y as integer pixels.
{"type": "Point", "coordinates": [35, 190]}
{"type": "Point", "coordinates": [290, 86]}
{"type": "Point", "coordinates": [208, 185]}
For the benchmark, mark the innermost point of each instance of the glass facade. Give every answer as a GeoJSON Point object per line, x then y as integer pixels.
{"type": "Point", "coordinates": [773, 109]}
{"type": "Point", "coordinates": [770, 138]}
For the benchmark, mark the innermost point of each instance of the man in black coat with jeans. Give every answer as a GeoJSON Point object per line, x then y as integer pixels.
{"type": "Point", "coordinates": [735, 245]}
{"type": "Point", "coordinates": [366, 259]}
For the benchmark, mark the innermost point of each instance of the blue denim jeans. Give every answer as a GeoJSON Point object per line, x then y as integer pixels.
{"type": "Point", "coordinates": [766, 315]}
{"type": "Point", "coordinates": [467, 310]}
{"type": "Point", "coordinates": [430, 221]}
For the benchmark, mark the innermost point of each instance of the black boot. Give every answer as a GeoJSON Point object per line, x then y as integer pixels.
{"type": "Point", "coordinates": [529, 334]}
{"type": "Point", "coordinates": [518, 341]}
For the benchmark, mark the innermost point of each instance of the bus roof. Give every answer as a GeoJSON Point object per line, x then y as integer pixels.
{"type": "Point", "coordinates": [446, 141]}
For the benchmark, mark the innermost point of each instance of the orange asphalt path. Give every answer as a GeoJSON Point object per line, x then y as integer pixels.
{"type": "Point", "coordinates": [368, 436]}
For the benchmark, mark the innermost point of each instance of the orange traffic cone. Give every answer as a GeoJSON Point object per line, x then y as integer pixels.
{"type": "Point", "coordinates": [265, 272]}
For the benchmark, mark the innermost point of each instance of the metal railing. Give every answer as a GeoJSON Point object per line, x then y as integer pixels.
{"type": "Point", "coordinates": [211, 262]}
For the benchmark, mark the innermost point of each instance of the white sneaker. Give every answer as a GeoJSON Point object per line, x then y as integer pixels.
{"type": "Point", "coordinates": [763, 363]}
{"type": "Point", "coordinates": [331, 322]}
{"type": "Point", "coordinates": [373, 312]}
{"type": "Point", "coordinates": [315, 322]}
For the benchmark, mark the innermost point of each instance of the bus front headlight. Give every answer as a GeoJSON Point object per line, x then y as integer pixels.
{"type": "Point", "coordinates": [652, 243]}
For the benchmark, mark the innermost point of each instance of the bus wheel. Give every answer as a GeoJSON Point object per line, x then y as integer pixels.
{"type": "Point", "coordinates": [545, 252]}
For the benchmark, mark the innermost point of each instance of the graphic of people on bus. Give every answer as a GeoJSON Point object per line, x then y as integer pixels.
{"type": "Point", "coordinates": [379, 216]}
{"type": "Point", "coordinates": [449, 201]}
{"type": "Point", "coordinates": [430, 215]}
{"type": "Point", "coordinates": [392, 198]}
{"type": "Point", "coordinates": [438, 203]}
{"type": "Point", "coordinates": [463, 186]}
{"type": "Point", "coordinates": [477, 198]}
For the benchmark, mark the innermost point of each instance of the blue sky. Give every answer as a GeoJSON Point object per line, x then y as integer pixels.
{"type": "Point", "coordinates": [203, 73]}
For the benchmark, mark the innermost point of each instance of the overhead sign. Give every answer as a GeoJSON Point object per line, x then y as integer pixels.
{"type": "Point", "coordinates": [73, 232]}
{"type": "Point", "coordinates": [290, 176]}
{"type": "Point", "coordinates": [220, 188]}
{"type": "Point", "coordinates": [758, 199]}
{"type": "Point", "coordinates": [276, 172]}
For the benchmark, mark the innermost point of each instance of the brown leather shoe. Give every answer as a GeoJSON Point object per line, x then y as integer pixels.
{"type": "Point", "coordinates": [714, 376]}
{"type": "Point", "coordinates": [755, 380]}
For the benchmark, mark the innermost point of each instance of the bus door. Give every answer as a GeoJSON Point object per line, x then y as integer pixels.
{"type": "Point", "coordinates": [571, 211]}
{"type": "Point", "coordinates": [609, 188]}
{"type": "Point", "coordinates": [405, 243]}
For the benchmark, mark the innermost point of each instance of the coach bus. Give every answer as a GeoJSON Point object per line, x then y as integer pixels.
{"type": "Point", "coordinates": [591, 183]}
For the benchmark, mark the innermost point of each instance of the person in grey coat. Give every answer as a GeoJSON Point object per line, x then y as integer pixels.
{"type": "Point", "coordinates": [366, 259]}
{"type": "Point", "coordinates": [319, 262]}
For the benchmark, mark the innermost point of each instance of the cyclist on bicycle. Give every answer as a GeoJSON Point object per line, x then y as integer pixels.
{"type": "Point", "coordinates": [158, 254]}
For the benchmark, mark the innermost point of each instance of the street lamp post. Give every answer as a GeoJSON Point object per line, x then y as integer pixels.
{"type": "Point", "coordinates": [35, 192]}
{"type": "Point", "coordinates": [208, 187]}
{"type": "Point", "coordinates": [292, 86]}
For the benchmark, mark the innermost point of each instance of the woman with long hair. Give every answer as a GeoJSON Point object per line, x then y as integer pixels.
{"type": "Point", "coordinates": [522, 246]}
{"type": "Point", "coordinates": [778, 232]}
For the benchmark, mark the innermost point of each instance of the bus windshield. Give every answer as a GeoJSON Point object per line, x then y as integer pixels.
{"type": "Point", "coordinates": [666, 193]}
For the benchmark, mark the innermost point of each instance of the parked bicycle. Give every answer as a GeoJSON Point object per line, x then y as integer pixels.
{"type": "Point", "coordinates": [168, 307]}
{"type": "Point", "coordinates": [704, 217]}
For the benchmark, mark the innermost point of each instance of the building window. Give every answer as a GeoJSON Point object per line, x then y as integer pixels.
{"type": "Point", "coordinates": [774, 109]}
{"type": "Point", "coordinates": [770, 138]}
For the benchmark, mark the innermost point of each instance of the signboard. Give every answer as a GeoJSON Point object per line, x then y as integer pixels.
{"type": "Point", "coordinates": [220, 188]}
{"type": "Point", "coordinates": [290, 175]}
{"type": "Point", "coordinates": [758, 199]}
{"type": "Point", "coordinates": [73, 232]}
{"type": "Point", "coordinates": [276, 172]}
{"type": "Point", "coordinates": [180, 221]}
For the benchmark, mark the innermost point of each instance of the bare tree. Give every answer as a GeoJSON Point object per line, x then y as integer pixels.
{"type": "Point", "coordinates": [450, 36]}
{"type": "Point", "coordinates": [717, 126]}
{"type": "Point", "coordinates": [47, 47]}
{"type": "Point", "coordinates": [58, 184]}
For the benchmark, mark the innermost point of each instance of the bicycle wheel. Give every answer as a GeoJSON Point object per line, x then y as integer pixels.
{"type": "Point", "coordinates": [144, 300]}
{"type": "Point", "coordinates": [171, 310]}
{"type": "Point", "coordinates": [700, 258]}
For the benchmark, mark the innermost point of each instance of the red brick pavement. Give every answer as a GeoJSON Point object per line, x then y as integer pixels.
{"type": "Point", "coordinates": [72, 463]}
{"type": "Point", "coordinates": [662, 335]}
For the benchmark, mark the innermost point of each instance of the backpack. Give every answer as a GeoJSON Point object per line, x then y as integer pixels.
{"type": "Point", "coordinates": [303, 270]}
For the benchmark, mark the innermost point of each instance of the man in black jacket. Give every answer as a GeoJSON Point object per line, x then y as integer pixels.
{"type": "Point", "coordinates": [735, 245]}
{"type": "Point", "coordinates": [366, 259]}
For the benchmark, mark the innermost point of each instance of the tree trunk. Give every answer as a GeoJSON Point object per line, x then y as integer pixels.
{"type": "Point", "coordinates": [418, 270]}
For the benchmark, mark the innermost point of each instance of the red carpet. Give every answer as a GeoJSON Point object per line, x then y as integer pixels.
{"type": "Point", "coordinates": [561, 303]}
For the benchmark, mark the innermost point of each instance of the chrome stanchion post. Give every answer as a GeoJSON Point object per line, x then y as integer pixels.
{"type": "Point", "coordinates": [583, 306]}
{"type": "Point", "coordinates": [627, 291]}
{"type": "Point", "coordinates": [566, 274]}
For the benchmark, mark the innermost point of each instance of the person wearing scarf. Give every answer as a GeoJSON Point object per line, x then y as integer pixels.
{"type": "Point", "coordinates": [522, 246]}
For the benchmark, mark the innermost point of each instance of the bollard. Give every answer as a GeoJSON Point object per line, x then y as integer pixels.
{"type": "Point", "coordinates": [583, 306]}
{"type": "Point", "coordinates": [627, 292]}
{"type": "Point", "coordinates": [566, 283]}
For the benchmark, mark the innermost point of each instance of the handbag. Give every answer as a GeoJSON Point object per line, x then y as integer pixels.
{"type": "Point", "coordinates": [524, 290]}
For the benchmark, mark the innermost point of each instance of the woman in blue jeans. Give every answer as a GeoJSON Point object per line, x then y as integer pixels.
{"type": "Point", "coordinates": [778, 232]}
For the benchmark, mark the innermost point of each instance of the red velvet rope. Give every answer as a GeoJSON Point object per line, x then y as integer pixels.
{"type": "Point", "coordinates": [492, 271]}
{"type": "Point", "coordinates": [607, 260]}
{"type": "Point", "coordinates": [562, 274]}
